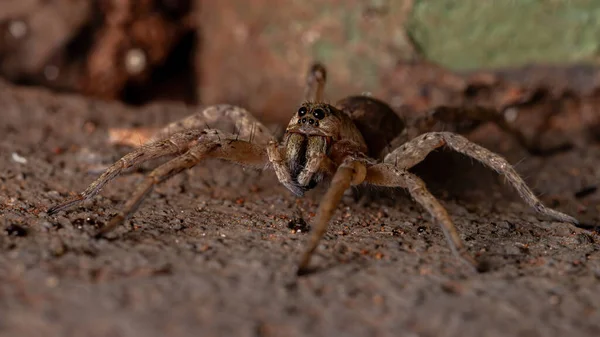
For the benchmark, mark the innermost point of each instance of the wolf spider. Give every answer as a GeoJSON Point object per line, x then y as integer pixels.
{"type": "Point", "coordinates": [322, 140]}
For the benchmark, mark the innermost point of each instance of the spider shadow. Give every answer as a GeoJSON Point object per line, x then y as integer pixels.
{"type": "Point", "coordinates": [353, 262]}
{"type": "Point", "coordinates": [449, 176]}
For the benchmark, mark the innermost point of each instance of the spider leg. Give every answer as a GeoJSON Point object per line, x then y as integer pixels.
{"type": "Point", "coordinates": [460, 119]}
{"type": "Point", "coordinates": [467, 118]}
{"type": "Point", "coordinates": [315, 83]}
{"type": "Point", "coordinates": [237, 151]}
{"type": "Point", "coordinates": [222, 117]}
{"type": "Point", "coordinates": [176, 143]}
{"type": "Point", "coordinates": [413, 152]}
{"type": "Point", "coordinates": [391, 176]}
{"type": "Point", "coordinates": [350, 172]}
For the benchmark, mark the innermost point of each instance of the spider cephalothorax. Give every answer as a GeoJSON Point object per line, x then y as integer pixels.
{"type": "Point", "coordinates": [344, 141]}
{"type": "Point", "coordinates": [309, 138]}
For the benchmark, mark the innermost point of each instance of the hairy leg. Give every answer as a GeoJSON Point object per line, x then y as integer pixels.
{"type": "Point", "coordinates": [223, 117]}
{"type": "Point", "coordinates": [413, 152]}
{"type": "Point", "coordinates": [350, 172]}
{"type": "Point", "coordinates": [390, 176]}
{"type": "Point", "coordinates": [315, 83]}
{"type": "Point", "coordinates": [465, 119]}
{"type": "Point", "coordinates": [237, 151]}
{"type": "Point", "coordinates": [461, 119]}
{"type": "Point", "coordinates": [175, 144]}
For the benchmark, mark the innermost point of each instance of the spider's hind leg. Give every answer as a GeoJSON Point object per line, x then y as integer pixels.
{"type": "Point", "coordinates": [465, 119]}
{"type": "Point", "coordinates": [415, 151]}
{"type": "Point", "coordinates": [315, 83]}
{"type": "Point", "coordinates": [222, 117]}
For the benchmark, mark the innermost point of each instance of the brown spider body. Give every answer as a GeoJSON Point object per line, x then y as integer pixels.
{"type": "Point", "coordinates": [377, 122]}
{"type": "Point", "coordinates": [314, 131]}
{"type": "Point", "coordinates": [366, 126]}
{"type": "Point", "coordinates": [346, 142]}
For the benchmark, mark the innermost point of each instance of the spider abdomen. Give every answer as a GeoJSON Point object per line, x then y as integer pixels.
{"type": "Point", "coordinates": [376, 121]}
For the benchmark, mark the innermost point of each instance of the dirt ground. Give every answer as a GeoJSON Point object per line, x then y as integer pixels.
{"type": "Point", "coordinates": [210, 252]}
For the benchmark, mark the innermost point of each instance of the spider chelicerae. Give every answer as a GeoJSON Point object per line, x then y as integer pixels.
{"type": "Point", "coordinates": [345, 142]}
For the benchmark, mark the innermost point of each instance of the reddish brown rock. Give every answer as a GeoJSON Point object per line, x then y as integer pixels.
{"type": "Point", "coordinates": [257, 56]}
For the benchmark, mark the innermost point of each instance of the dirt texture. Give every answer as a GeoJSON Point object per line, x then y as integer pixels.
{"type": "Point", "coordinates": [213, 252]}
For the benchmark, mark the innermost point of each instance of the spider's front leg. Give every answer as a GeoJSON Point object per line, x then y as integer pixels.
{"type": "Point", "coordinates": [352, 171]}
{"type": "Point", "coordinates": [176, 144]}
{"type": "Point", "coordinates": [215, 145]}
{"type": "Point", "coordinates": [390, 176]}
{"type": "Point", "coordinates": [201, 144]}
{"type": "Point", "coordinates": [188, 136]}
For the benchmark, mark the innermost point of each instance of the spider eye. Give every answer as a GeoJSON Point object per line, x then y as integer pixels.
{"type": "Point", "coordinates": [302, 111]}
{"type": "Point", "coordinates": [319, 113]}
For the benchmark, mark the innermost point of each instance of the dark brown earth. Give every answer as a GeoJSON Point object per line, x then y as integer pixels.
{"type": "Point", "coordinates": [210, 252]}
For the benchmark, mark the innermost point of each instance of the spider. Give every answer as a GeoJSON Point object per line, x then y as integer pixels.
{"type": "Point", "coordinates": [344, 142]}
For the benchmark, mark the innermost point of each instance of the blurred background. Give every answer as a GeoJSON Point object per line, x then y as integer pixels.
{"type": "Point", "coordinates": [414, 54]}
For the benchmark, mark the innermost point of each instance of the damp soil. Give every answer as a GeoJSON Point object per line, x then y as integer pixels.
{"type": "Point", "coordinates": [212, 252]}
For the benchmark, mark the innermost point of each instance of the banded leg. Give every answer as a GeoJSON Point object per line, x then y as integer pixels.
{"type": "Point", "coordinates": [350, 172]}
{"type": "Point", "coordinates": [238, 151]}
{"type": "Point", "coordinates": [223, 117]}
{"type": "Point", "coordinates": [465, 119]}
{"type": "Point", "coordinates": [413, 152]}
{"type": "Point", "coordinates": [315, 83]}
{"type": "Point", "coordinates": [390, 176]}
{"type": "Point", "coordinates": [177, 143]}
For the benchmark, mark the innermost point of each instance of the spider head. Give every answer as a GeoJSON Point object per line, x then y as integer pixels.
{"type": "Point", "coordinates": [311, 132]}
{"type": "Point", "coordinates": [315, 119]}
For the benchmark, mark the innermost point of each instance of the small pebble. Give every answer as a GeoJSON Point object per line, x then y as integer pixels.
{"type": "Point", "coordinates": [451, 287]}
{"type": "Point", "coordinates": [46, 225]}
{"type": "Point", "coordinates": [18, 159]}
{"type": "Point", "coordinates": [562, 230]}
{"type": "Point", "coordinates": [57, 248]}
{"type": "Point", "coordinates": [298, 225]}
{"type": "Point", "coordinates": [16, 230]}
{"type": "Point", "coordinates": [17, 28]}
{"type": "Point", "coordinates": [176, 224]}
{"type": "Point", "coordinates": [583, 238]}
{"type": "Point", "coordinates": [52, 282]}
{"type": "Point", "coordinates": [64, 222]}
